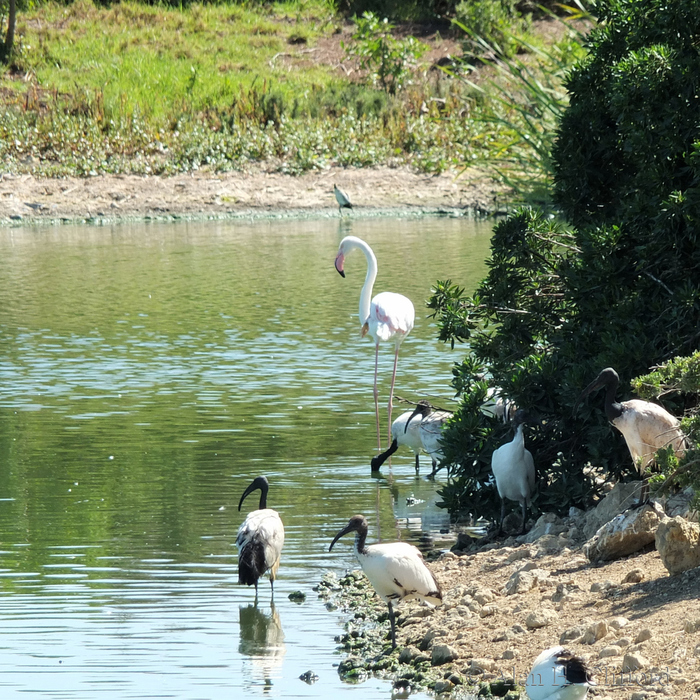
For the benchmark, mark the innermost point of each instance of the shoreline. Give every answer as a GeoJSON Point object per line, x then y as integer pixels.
{"type": "Point", "coordinates": [504, 602]}
{"type": "Point", "coordinates": [257, 193]}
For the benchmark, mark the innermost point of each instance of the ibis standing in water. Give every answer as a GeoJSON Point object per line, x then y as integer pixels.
{"type": "Point", "coordinates": [646, 426]}
{"type": "Point", "coordinates": [558, 675]}
{"type": "Point", "coordinates": [342, 199]}
{"type": "Point", "coordinates": [514, 470]}
{"type": "Point", "coordinates": [430, 429]}
{"type": "Point", "coordinates": [260, 539]}
{"type": "Point", "coordinates": [402, 433]}
{"type": "Point", "coordinates": [396, 570]}
{"type": "Point", "coordinates": [386, 317]}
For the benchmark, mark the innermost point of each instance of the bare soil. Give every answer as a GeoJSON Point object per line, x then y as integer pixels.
{"type": "Point", "coordinates": [258, 192]}
{"type": "Point", "coordinates": [638, 611]}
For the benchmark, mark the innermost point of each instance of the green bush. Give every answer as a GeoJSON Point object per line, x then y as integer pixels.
{"type": "Point", "coordinates": [627, 146]}
{"type": "Point", "coordinates": [621, 289]}
{"type": "Point", "coordinates": [495, 22]}
{"type": "Point", "coordinates": [388, 59]}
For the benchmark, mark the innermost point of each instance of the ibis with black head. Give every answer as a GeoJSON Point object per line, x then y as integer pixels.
{"type": "Point", "coordinates": [646, 426]}
{"type": "Point", "coordinates": [260, 539]}
{"type": "Point", "coordinates": [396, 570]}
{"type": "Point", "coordinates": [514, 470]}
{"type": "Point", "coordinates": [557, 674]}
{"type": "Point", "coordinates": [403, 434]}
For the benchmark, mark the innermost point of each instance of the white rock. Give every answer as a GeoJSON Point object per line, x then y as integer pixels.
{"type": "Point", "coordinates": [678, 542]}
{"type": "Point", "coordinates": [540, 618]}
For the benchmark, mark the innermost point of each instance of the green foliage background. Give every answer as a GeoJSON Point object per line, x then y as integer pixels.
{"type": "Point", "coordinates": [619, 288]}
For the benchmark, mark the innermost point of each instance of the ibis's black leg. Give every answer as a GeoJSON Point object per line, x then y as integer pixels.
{"type": "Point", "coordinates": [524, 509]}
{"type": "Point", "coordinates": [503, 515]}
{"type": "Point", "coordinates": [393, 625]}
{"type": "Point", "coordinates": [417, 465]}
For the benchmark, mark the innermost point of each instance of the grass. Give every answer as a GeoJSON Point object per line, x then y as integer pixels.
{"type": "Point", "coordinates": [149, 89]}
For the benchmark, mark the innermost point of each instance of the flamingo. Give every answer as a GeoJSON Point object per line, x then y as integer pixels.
{"type": "Point", "coordinates": [559, 675]}
{"type": "Point", "coordinates": [402, 434]}
{"type": "Point", "coordinates": [514, 470]}
{"type": "Point", "coordinates": [260, 539]}
{"type": "Point", "coordinates": [646, 426]}
{"type": "Point", "coordinates": [396, 570]}
{"type": "Point", "coordinates": [342, 199]}
{"type": "Point", "coordinates": [387, 316]}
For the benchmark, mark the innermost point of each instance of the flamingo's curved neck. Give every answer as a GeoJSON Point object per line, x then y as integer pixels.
{"type": "Point", "coordinates": [366, 293]}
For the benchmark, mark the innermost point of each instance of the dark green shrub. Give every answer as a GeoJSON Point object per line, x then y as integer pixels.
{"type": "Point", "coordinates": [627, 144]}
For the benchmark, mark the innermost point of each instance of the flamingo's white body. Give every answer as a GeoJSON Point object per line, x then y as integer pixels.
{"type": "Point", "coordinates": [514, 470]}
{"type": "Point", "coordinates": [396, 570]}
{"type": "Point", "coordinates": [403, 433]}
{"type": "Point", "coordinates": [646, 426]}
{"type": "Point", "coordinates": [260, 539]}
{"type": "Point", "coordinates": [386, 317]}
{"type": "Point", "coordinates": [558, 675]}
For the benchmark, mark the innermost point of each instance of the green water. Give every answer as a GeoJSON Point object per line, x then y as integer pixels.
{"type": "Point", "coordinates": [147, 374]}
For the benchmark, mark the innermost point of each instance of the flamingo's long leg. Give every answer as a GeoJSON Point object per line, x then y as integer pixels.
{"type": "Point", "coordinates": [391, 391]}
{"type": "Point", "coordinates": [376, 397]}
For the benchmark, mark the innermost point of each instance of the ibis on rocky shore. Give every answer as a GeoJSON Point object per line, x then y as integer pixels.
{"type": "Point", "coordinates": [559, 675]}
{"type": "Point", "coordinates": [342, 199]}
{"type": "Point", "coordinates": [402, 434]}
{"type": "Point", "coordinates": [386, 317]}
{"type": "Point", "coordinates": [514, 470]}
{"type": "Point", "coordinates": [260, 539]}
{"type": "Point", "coordinates": [646, 426]}
{"type": "Point", "coordinates": [396, 570]}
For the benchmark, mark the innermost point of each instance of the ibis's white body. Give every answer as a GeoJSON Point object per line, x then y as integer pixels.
{"type": "Point", "coordinates": [514, 469]}
{"type": "Point", "coordinates": [431, 435]}
{"type": "Point", "coordinates": [498, 406]}
{"type": "Point", "coordinates": [396, 570]}
{"type": "Point", "coordinates": [407, 436]}
{"type": "Point", "coordinates": [548, 681]}
{"type": "Point", "coordinates": [647, 427]}
{"type": "Point", "coordinates": [386, 317]}
{"type": "Point", "coordinates": [260, 540]}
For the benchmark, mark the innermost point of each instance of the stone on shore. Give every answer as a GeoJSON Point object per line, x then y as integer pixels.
{"type": "Point", "coordinates": [620, 498]}
{"type": "Point", "coordinates": [625, 534]}
{"type": "Point", "coordinates": [678, 543]}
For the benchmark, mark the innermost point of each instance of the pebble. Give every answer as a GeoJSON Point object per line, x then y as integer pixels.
{"type": "Point", "coordinates": [643, 635]}
{"type": "Point", "coordinates": [442, 654]}
{"type": "Point", "coordinates": [540, 618]}
{"type": "Point", "coordinates": [633, 662]}
{"type": "Point", "coordinates": [634, 576]}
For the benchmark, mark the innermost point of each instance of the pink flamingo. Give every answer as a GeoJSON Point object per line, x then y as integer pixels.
{"type": "Point", "coordinates": [387, 316]}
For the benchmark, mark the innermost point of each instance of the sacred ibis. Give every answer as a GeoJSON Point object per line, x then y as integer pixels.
{"type": "Point", "coordinates": [498, 406]}
{"type": "Point", "coordinates": [402, 433]}
{"type": "Point", "coordinates": [514, 470]}
{"type": "Point", "coordinates": [396, 570]}
{"type": "Point", "coordinates": [386, 317]}
{"type": "Point", "coordinates": [432, 422]}
{"type": "Point", "coordinates": [559, 675]}
{"type": "Point", "coordinates": [260, 539]}
{"type": "Point", "coordinates": [342, 199]}
{"type": "Point", "coordinates": [646, 426]}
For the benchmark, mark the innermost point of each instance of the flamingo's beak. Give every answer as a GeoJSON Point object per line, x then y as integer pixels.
{"type": "Point", "coordinates": [339, 263]}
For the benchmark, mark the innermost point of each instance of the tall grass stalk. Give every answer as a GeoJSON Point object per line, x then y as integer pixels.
{"type": "Point", "coordinates": [522, 105]}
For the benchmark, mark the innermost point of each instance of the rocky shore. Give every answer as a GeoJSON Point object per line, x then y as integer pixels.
{"type": "Point", "coordinates": [504, 602]}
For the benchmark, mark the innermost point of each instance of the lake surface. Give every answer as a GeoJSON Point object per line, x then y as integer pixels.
{"type": "Point", "coordinates": [147, 374]}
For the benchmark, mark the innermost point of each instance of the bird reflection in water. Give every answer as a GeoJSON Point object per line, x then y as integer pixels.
{"type": "Point", "coordinates": [261, 640]}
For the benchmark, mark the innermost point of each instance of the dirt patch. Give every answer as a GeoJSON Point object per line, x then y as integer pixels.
{"type": "Point", "coordinates": [257, 192]}
{"type": "Point", "coordinates": [624, 612]}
